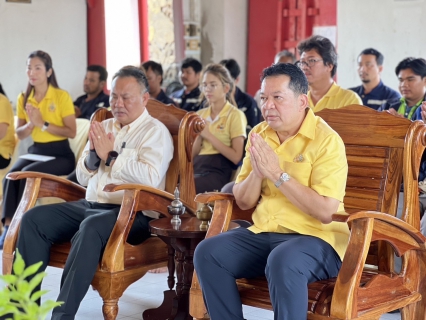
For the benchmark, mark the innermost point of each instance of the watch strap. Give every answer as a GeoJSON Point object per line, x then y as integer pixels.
{"type": "Point", "coordinates": [45, 126]}
{"type": "Point", "coordinates": [283, 178]}
{"type": "Point", "coordinates": [112, 155]}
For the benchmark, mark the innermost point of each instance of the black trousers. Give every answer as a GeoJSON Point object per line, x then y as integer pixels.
{"type": "Point", "coordinates": [62, 165]}
{"type": "Point", "coordinates": [88, 225]}
{"type": "Point", "coordinates": [211, 172]}
{"type": "Point", "coordinates": [4, 162]}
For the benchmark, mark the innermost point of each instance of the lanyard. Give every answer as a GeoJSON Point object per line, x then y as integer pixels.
{"type": "Point", "coordinates": [403, 109]}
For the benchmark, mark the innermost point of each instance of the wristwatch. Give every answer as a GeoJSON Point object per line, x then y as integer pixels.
{"type": "Point", "coordinates": [45, 125]}
{"type": "Point", "coordinates": [283, 178]}
{"type": "Point", "coordinates": [112, 155]}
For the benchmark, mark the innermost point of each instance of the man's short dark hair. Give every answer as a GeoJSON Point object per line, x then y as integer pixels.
{"type": "Point", "coordinates": [232, 66]}
{"type": "Point", "coordinates": [379, 57]}
{"type": "Point", "coordinates": [103, 74]}
{"type": "Point", "coordinates": [417, 65]}
{"type": "Point", "coordinates": [2, 91]}
{"type": "Point", "coordinates": [134, 72]}
{"type": "Point", "coordinates": [193, 63]}
{"type": "Point", "coordinates": [298, 82]}
{"type": "Point", "coordinates": [323, 47]}
{"type": "Point", "coordinates": [155, 67]}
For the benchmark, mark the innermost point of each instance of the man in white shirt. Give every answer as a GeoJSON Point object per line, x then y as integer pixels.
{"type": "Point", "coordinates": [133, 147]}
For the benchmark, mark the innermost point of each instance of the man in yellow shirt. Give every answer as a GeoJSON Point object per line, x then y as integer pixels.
{"type": "Point", "coordinates": [318, 61]}
{"type": "Point", "coordinates": [295, 172]}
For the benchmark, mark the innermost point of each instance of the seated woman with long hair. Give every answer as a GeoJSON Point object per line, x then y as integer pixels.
{"type": "Point", "coordinates": [219, 148]}
{"type": "Point", "coordinates": [47, 114]}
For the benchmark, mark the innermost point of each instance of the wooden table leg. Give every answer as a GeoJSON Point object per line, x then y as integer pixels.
{"type": "Point", "coordinates": [165, 309]}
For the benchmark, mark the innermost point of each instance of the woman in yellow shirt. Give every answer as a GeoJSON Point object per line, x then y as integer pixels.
{"type": "Point", "coordinates": [219, 148]}
{"type": "Point", "coordinates": [7, 131]}
{"type": "Point", "coordinates": [47, 114]}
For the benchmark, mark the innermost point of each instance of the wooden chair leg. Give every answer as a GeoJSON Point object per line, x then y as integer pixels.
{"type": "Point", "coordinates": [110, 309]}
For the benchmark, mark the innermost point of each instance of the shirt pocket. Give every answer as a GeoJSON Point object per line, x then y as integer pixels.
{"type": "Point", "coordinates": [300, 171]}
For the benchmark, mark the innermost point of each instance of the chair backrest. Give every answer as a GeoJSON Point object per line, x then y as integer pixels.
{"type": "Point", "coordinates": [78, 143]}
{"type": "Point", "coordinates": [179, 122]}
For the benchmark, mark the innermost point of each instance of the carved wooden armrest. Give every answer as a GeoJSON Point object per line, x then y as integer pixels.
{"type": "Point", "coordinates": [48, 185]}
{"type": "Point", "coordinates": [222, 212]}
{"type": "Point", "coordinates": [213, 196]}
{"type": "Point", "coordinates": [136, 198]}
{"type": "Point", "coordinates": [38, 185]}
{"type": "Point", "coordinates": [368, 226]}
{"type": "Point", "coordinates": [401, 235]}
{"type": "Point", "coordinates": [153, 198]}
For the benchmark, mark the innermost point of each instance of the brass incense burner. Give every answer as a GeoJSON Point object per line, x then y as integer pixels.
{"type": "Point", "coordinates": [204, 214]}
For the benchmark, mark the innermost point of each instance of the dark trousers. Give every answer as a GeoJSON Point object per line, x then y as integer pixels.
{"type": "Point", "coordinates": [63, 164]}
{"type": "Point", "coordinates": [289, 261]}
{"type": "Point", "coordinates": [211, 172]}
{"type": "Point", "coordinates": [88, 225]}
{"type": "Point", "coordinates": [4, 162]}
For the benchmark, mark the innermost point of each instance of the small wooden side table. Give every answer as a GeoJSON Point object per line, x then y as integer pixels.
{"type": "Point", "coordinates": [183, 240]}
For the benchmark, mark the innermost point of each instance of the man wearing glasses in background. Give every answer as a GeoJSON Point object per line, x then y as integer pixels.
{"type": "Point", "coordinates": [318, 61]}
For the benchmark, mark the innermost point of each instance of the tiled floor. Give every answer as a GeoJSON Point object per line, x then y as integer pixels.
{"type": "Point", "coordinates": [143, 294]}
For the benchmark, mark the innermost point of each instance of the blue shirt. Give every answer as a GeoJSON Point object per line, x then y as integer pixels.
{"type": "Point", "coordinates": [398, 104]}
{"type": "Point", "coordinates": [188, 102]}
{"type": "Point", "coordinates": [378, 96]}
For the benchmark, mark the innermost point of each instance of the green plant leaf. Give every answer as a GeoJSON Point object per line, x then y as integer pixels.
{"type": "Point", "coordinates": [8, 278]}
{"type": "Point", "coordinates": [17, 296]}
{"type": "Point", "coordinates": [36, 280]}
{"type": "Point", "coordinates": [37, 295]}
{"type": "Point", "coordinates": [31, 269]}
{"type": "Point", "coordinates": [24, 287]}
{"type": "Point", "coordinates": [49, 305]}
{"type": "Point", "coordinates": [19, 264]}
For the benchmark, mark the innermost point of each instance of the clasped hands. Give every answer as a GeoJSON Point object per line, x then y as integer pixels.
{"type": "Point", "coordinates": [100, 141]}
{"type": "Point", "coordinates": [264, 160]}
{"type": "Point", "coordinates": [35, 115]}
{"type": "Point", "coordinates": [422, 112]}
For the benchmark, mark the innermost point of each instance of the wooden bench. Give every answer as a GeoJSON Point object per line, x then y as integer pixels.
{"type": "Point", "coordinates": [121, 263]}
{"type": "Point", "coordinates": [381, 150]}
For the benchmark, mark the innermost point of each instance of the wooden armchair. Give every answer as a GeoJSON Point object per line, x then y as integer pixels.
{"type": "Point", "coordinates": [381, 151]}
{"type": "Point", "coordinates": [122, 263]}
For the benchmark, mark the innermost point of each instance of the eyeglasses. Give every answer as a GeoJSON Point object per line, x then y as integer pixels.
{"type": "Point", "coordinates": [209, 87]}
{"type": "Point", "coordinates": [309, 63]}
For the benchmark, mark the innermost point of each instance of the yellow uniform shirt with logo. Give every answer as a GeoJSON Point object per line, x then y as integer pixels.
{"type": "Point", "coordinates": [56, 105]}
{"type": "Point", "coordinates": [335, 98]}
{"type": "Point", "coordinates": [316, 158]}
{"type": "Point", "coordinates": [7, 144]}
{"type": "Point", "coordinates": [229, 124]}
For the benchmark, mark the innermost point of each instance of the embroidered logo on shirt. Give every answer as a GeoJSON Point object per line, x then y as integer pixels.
{"type": "Point", "coordinates": [299, 158]}
{"type": "Point", "coordinates": [100, 104]}
{"type": "Point", "coordinates": [52, 108]}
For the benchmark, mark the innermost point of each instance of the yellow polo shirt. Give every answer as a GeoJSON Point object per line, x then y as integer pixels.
{"type": "Point", "coordinates": [7, 144]}
{"type": "Point", "coordinates": [335, 98]}
{"type": "Point", "coordinates": [56, 105]}
{"type": "Point", "coordinates": [316, 158]}
{"type": "Point", "coordinates": [229, 124]}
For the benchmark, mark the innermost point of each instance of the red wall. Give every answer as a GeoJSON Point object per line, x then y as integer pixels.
{"type": "Point", "coordinates": [96, 38]}
{"type": "Point", "coordinates": [96, 41]}
{"type": "Point", "coordinates": [275, 25]}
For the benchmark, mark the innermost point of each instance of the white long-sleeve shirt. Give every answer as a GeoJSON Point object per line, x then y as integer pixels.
{"type": "Point", "coordinates": [144, 159]}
